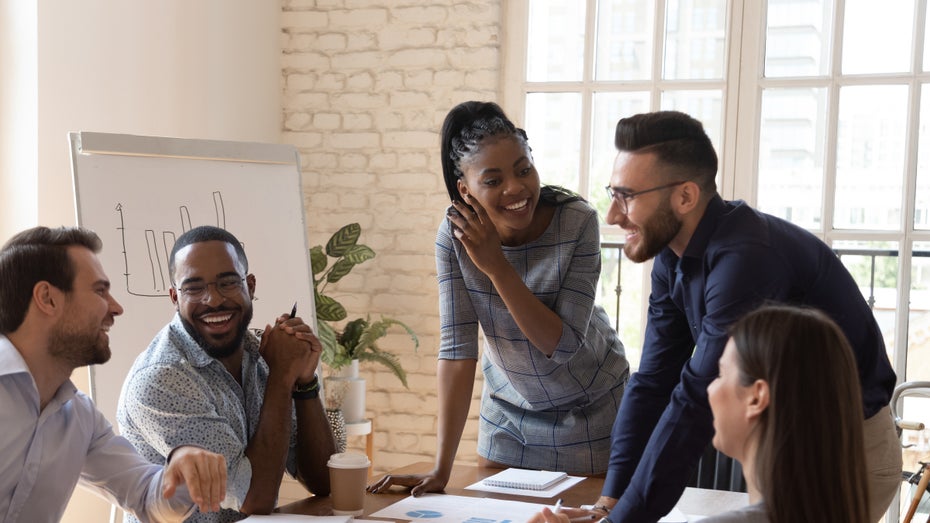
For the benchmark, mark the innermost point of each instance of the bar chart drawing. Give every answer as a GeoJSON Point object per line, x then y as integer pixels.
{"type": "Point", "coordinates": [148, 275]}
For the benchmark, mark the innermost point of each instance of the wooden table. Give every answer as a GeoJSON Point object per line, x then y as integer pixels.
{"type": "Point", "coordinates": [693, 502]}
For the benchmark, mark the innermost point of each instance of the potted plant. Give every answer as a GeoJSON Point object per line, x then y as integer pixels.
{"type": "Point", "coordinates": [357, 340]}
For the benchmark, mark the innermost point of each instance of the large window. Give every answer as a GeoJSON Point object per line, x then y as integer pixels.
{"type": "Point", "coordinates": [819, 109]}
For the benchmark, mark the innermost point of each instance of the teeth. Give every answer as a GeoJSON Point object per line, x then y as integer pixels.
{"type": "Point", "coordinates": [516, 206]}
{"type": "Point", "coordinates": [216, 319]}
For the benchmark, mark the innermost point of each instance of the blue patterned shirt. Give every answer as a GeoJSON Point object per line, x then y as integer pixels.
{"type": "Point", "coordinates": [538, 412]}
{"type": "Point", "coordinates": [176, 394]}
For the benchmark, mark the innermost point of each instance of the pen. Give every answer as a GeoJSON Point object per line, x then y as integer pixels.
{"type": "Point", "coordinates": [558, 507]}
{"type": "Point", "coordinates": [294, 310]}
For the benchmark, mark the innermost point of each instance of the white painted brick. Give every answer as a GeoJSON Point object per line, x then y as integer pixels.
{"type": "Point", "coordinates": [474, 58]}
{"type": "Point", "coordinates": [305, 61]}
{"type": "Point", "coordinates": [304, 20]}
{"type": "Point", "coordinates": [384, 160]}
{"type": "Point", "coordinates": [413, 139]}
{"type": "Point", "coordinates": [353, 140]}
{"type": "Point", "coordinates": [359, 100]}
{"type": "Point", "coordinates": [331, 42]}
{"type": "Point", "coordinates": [360, 81]}
{"type": "Point", "coordinates": [411, 58]}
{"type": "Point", "coordinates": [448, 78]}
{"type": "Point", "coordinates": [327, 120]}
{"type": "Point", "coordinates": [405, 37]}
{"type": "Point", "coordinates": [421, 15]}
{"type": "Point", "coordinates": [359, 41]}
{"type": "Point", "coordinates": [415, 160]}
{"type": "Point", "coordinates": [359, 60]}
{"type": "Point", "coordinates": [357, 122]}
{"type": "Point", "coordinates": [301, 81]}
{"type": "Point", "coordinates": [331, 82]}
{"type": "Point", "coordinates": [297, 121]}
{"type": "Point", "coordinates": [357, 18]}
{"type": "Point", "coordinates": [390, 69]}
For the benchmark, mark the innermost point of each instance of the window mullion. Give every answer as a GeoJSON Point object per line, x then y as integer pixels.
{"type": "Point", "coordinates": [658, 56]}
{"type": "Point", "coordinates": [587, 88]}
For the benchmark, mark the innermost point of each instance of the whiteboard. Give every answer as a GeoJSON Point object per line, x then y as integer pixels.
{"type": "Point", "coordinates": [139, 193]}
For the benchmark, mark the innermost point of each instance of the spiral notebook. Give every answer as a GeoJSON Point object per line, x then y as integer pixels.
{"type": "Point", "coordinates": [525, 479]}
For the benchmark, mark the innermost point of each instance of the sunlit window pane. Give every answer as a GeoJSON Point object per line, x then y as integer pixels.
{"type": "Point", "coordinates": [918, 349]}
{"type": "Point", "coordinates": [556, 36]}
{"type": "Point", "coordinates": [619, 273]}
{"type": "Point", "coordinates": [870, 157]}
{"type": "Point", "coordinates": [624, 39]}
{"type": "Point", "coordinates": [607, 109]}
{"type": "Point", "coordinates": [791, 154]}
{"type": "Point", "coordinates": [874, 266]}
{"type": "Point", "coordinates": [877, 36]}
{"type": "Point", "coordinates": [706, 106]}
{"type": "Point", "coordinates": [922, 196]}
{"type": "Point", "coordinates": [695, 39]}
{"type": "Point", "coordinates": [553, 125]}
{"type": "Point", "coordinates": [798, 37]}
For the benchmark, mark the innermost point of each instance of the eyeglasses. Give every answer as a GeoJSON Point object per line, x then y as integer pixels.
{"type": "Point", "coordinates": [227, 286]}
{"type": "Point", "coordinates": [623, 198]}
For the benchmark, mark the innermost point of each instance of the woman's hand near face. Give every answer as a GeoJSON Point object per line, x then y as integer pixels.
{"type": "Point", "coordinates": [479, 236]}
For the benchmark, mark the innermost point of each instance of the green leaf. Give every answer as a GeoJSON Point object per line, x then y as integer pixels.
{"type": "Point", "coordinates": [328, 309]}
{"type": "Point", "coordinates": [359, 253]}
{"type": "Point", "coordinates": [340, 269]}
{"type": "Point", "coordinates": [328, 339]}
{"type": "Point", "coordinates": [343, 239]}
{"type": "Point", "coordinates": [387, 359]}
{"type": "Point", "coordinates": [317, 260]}
{"type": "Point", "coordinates": [378, 329]}
{"type": "Point", "coordinates": [351, 334]}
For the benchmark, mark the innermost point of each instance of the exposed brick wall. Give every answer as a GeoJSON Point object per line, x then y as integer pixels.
{"type": "Point", "coordinates": [366, 86]}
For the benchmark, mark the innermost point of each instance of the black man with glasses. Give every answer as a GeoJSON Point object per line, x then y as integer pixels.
{"type": "Point", "coordinates": [208, 380]}
{"type": "Point", "coordinates": [715, 261]}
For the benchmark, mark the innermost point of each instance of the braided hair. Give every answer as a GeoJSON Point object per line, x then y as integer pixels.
{"type": "Point", "coordinates": [466, 126]}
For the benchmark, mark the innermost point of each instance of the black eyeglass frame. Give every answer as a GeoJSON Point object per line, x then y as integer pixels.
{"type": "Point", "coordinates": [198, 293]}
{"type": "Point", "coordinates": [623, 198]}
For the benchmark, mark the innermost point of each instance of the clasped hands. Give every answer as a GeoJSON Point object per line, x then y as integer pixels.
{"type": "Point", "coordinates": [290, 347]}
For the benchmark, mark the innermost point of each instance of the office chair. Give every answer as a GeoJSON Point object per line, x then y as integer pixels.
{"type": "Point", "coordinates": [919, 479]}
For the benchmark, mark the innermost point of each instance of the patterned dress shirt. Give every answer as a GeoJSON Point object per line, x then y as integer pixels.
{"type": "Point", "coordinates": [176, 394]}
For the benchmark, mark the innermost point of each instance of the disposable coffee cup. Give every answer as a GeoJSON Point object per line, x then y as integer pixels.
{"type": "Point", "coordinates": [348, 476]}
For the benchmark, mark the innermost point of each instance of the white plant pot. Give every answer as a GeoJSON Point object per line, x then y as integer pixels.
{"type": "Point", "coordinates": [346, 391]}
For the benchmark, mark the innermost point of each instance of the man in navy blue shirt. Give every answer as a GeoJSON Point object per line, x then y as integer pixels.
{"type": "Point", "coordinates": [715, 260]}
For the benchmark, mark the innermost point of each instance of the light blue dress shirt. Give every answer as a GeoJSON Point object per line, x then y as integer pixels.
{"type": "Point", "coordinates": [43, 454]}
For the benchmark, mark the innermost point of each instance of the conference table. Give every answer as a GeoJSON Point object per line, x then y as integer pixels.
{"type": "Point", "coordinates": [694, 501]}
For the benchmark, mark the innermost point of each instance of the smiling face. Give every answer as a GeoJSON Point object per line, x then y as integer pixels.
{"type": "Point", "coordinates": [502, 178]}
{"type": "Point", "coordinates": [218, 323]}
{"type": "Point", "coordinates": [650, 223]}
{"type": "Point", "coordinates": [81, 336]}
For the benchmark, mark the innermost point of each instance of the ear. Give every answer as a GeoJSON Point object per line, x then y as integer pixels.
{"type": "Point", "coordinates": [173, 293]}
{"type": "Point", "coordinates": [47, 298]}
{"type": "Point", "coordinates": [686, 198]}
{"type": "Point", "coordinates": [250, 283]}
{"type": "Point", "coordinates": [463, 189]}
{"type": "Point", "coordinates": [758, 399]}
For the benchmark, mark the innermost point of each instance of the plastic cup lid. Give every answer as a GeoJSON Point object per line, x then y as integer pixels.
{"type": "Point", "coordinates": [349, 460]}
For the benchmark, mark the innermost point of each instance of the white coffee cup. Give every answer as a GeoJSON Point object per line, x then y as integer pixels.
{"type": "Point", "coordinates": [348, 476]}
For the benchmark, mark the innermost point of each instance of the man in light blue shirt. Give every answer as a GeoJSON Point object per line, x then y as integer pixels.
{"type": "Point", "coordinates": [55, 313]}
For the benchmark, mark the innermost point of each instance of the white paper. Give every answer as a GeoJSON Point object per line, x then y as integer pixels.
{"type": "Point", "coordinates": [445, 508]}
{"type": "Point", "coordinates": [298, 518]}
{"type": "Point", "coordinates": [550, 492]}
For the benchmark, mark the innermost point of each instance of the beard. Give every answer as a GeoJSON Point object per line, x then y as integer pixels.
{"type": "Point", "coordinates": [654, 235]}
{"type": "Point", "coordinates": [79, 346]}
{"type": "Point", "coordinates": [220, 351]}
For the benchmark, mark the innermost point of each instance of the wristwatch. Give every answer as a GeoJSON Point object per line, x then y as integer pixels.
{"type": "Point", "coordinates": [309, 391]}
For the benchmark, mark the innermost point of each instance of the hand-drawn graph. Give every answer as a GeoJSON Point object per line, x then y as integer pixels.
{"type": "Point", "coordinates": [147, 275]}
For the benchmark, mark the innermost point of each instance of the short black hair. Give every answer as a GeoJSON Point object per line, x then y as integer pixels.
{"type": "Point", "coordinates": [206, 233]}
